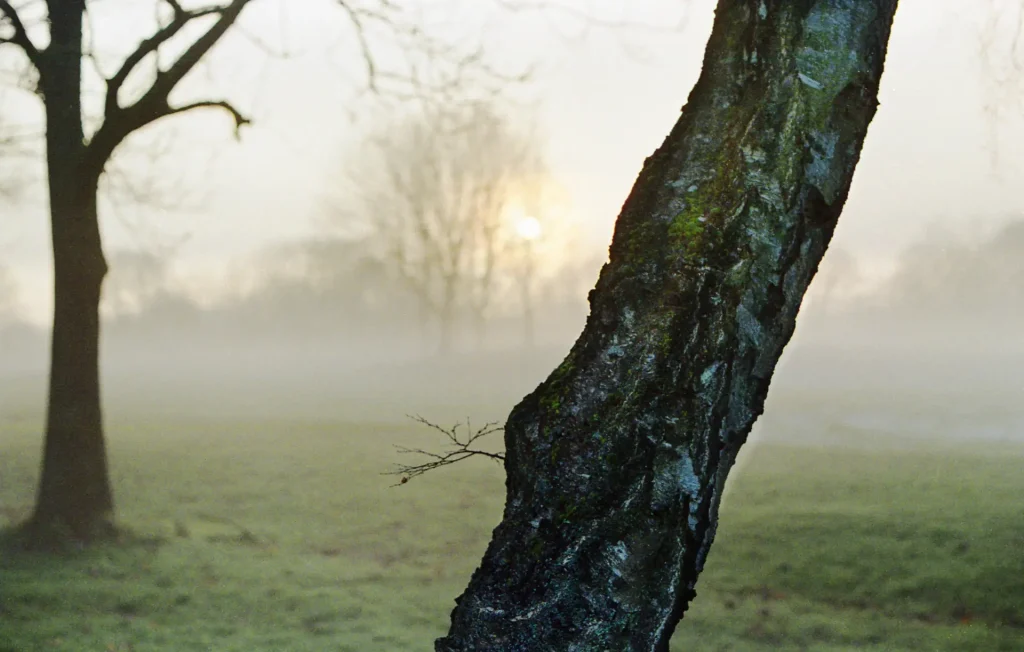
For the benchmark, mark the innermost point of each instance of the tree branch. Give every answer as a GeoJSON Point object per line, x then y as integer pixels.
{"type": "Point", "coordinates": [459, 449]}
{"type": "Point", "coordinates": [240, 120]}
{"type": "Point", "coordinates": [150, 45]}
{"type": "Point", "coordinates": [166, 81]}
{"type": "Point", "coordinates": [20, 36]}
{"type": "Point", "coordinates": [120, 121]}
{"type": "Point", "coordinates": [356, 18]}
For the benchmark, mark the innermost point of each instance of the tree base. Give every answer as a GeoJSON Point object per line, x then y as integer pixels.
{"type": "Point", "coordinates": [55, 536]}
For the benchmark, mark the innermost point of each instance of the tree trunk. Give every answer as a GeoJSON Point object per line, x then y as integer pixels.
{"type": "Point", "coordinates": [616, 463]}
{"type": "Point", "coordinates": [74, 498]}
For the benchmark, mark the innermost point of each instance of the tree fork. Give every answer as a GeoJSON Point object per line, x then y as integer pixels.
{"type": "Point", "coordinates": [616, 463]}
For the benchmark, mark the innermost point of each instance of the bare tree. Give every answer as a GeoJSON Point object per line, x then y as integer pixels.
{"type": "Point", "coordinates": [74, 498]}
{"type": "Point", "coordinates": [434, 188]}
{"type": "Point", "coordinates": [74, 492]}
{"type": "Point", "coordinates": [542, 241]}
{"type": "Point", "coordinates": [616, 463]}
{"type": "Point", "coordinates": [1001, 49]}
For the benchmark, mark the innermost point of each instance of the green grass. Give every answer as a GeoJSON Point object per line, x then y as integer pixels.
{"type": "Point", "coordinates": [283, 536]}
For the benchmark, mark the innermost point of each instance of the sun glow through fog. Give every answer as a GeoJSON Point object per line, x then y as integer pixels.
{"type": "Point", "coordinates": [528, 227]}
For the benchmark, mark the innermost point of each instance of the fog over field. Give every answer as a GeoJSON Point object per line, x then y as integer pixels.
{"type": "Point", "coordinates": [933, 350]}
{"type": "Point", "coordinates": [313, 230]}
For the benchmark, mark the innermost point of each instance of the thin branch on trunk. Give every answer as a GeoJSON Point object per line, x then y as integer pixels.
{"type": "Point", "coordinates": [150, 46]}
{"type": "Point", "coordinates": [357, 17]}
{"type": "Point", "coordinates": [166, 81]}
{"type": "Point", "coordinates": [236, 115]}
{"type": "Point", "coordinates": [120, 121]}
{"type": "Point", "coordinates": [459, 449]}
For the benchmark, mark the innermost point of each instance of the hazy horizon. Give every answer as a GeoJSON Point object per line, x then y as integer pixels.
{"type": "Point", "coordinates": [246, 283]}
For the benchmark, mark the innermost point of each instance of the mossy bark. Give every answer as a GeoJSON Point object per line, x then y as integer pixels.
{"type": "Point", "coordinates": [616, 463]}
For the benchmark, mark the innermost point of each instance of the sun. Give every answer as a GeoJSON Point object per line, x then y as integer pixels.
{"type": "Point", "coordinates": [528, 227]}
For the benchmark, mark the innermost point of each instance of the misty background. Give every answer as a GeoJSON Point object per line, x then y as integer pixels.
{"type": "Point", "coordinates": [277, 275]}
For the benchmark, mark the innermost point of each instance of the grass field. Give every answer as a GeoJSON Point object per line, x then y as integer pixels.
{"type": "Point", "coordinates": [283, 536]}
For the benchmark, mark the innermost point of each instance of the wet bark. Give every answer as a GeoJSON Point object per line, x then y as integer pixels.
{"type": "Point", "coordinates": [616, 463]}
{"type": "Point", "coordinates": [74, 498]}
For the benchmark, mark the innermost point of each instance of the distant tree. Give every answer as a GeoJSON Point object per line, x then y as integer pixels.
{"type": "Point", "coordinates": [616, 463]}
{"type": "Point", "coordinates": [434, 187]}
{"type": "Point", "coordinates": [541, 238]}
{"type": "Point", "coordinates": [1001, 41]}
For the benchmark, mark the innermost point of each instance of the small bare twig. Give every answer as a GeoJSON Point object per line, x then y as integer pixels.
{"type": "Point", "coordinates": [236, 115]}
{"type": "Point", "coordinates": [120, 121]}
{"type": "Point", "coordinates": [459, 449]}
{"type": "Point", "coordinates": [1001, 49]}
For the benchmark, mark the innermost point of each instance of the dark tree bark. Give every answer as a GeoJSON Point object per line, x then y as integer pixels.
{"type": "Point", "coordinates": [616, 463]}
{"type": "Point", "coordinates": [74, 497]}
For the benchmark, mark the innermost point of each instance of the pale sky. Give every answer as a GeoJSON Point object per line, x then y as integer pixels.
{"type": "Point", "coordinates": [604, 103]}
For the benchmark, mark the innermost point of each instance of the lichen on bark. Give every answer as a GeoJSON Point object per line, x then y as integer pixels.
{"type": "Point", "coordinates": [616, 463]}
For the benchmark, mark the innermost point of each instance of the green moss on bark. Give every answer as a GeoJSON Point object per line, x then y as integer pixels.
{"type": "Point", "coordinates": [622, 452]}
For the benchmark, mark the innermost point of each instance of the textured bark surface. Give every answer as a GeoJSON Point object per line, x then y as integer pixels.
{"type": "Point", "coordinates": [616, 463]}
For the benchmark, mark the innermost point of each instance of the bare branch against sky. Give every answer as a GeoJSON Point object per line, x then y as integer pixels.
{"type": "Point", "coordinates": [120, 117]}
{"type": "Point", "coordinates": [17, 32]}
{"type": "Point", "coordinates": [1001, 50]}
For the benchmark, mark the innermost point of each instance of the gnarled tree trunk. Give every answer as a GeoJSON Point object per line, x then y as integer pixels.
{"type": "Point", "coordinates": [616, 463]}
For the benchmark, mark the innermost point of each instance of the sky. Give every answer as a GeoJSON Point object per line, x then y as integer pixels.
{"type": "Point", "coordinates": [601, 102]}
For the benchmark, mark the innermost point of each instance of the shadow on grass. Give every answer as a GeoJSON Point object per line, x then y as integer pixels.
{"type": "Point", "coordinates": [25, 540]}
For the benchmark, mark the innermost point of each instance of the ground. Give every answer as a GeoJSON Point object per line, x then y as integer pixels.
{"type": "Point", "coordinates": [284, 535]}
